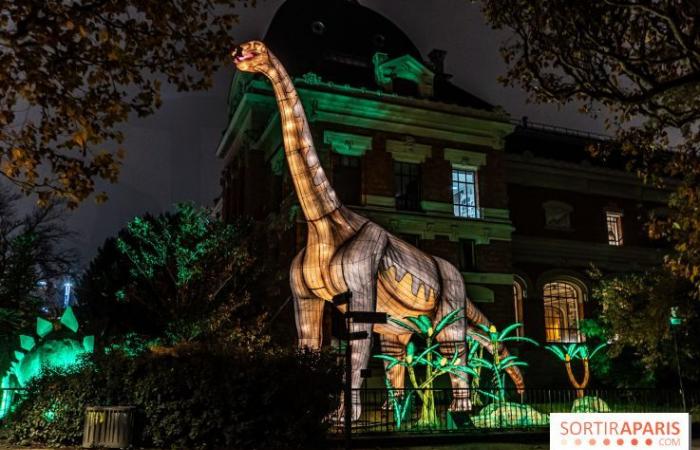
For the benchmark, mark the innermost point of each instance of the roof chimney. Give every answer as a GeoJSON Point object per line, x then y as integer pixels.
{"type": "Point", "coordinates": [437, 59]}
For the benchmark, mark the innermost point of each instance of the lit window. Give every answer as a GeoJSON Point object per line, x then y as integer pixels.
{"type": "Point", "coordinates": [464, 199]}
{"type": "Point", "coordinates": [407, 185]}
{"type": "Point", "coordinates": [614, 223]}
{"type": "Point", "coordinates": [562, 312]}
{"type": "Point", "coordinates": [519, 294]}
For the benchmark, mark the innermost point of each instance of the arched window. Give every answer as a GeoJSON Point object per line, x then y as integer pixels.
{"type": "Point", "coordinates": [519, 295]}
{"type": "Point", "coordinates": [563, 310]}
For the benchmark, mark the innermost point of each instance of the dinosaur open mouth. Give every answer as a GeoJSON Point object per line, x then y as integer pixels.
{"type": "Point", "coordinates": [241, 56]}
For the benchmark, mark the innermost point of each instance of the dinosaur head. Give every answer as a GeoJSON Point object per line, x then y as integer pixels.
{"type": "Point", "coordinates": [251, 56]}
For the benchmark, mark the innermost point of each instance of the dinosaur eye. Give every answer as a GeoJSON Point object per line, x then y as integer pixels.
{"type": "Point", "coordinates": [318, 27]}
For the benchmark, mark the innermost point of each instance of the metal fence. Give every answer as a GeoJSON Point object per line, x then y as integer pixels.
{"type": "Point", "coordinates": [501, 411]}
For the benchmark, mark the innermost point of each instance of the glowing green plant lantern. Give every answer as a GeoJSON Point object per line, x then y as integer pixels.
{"type": "Point", "coordinates": [433, 362]}
{"type": "Point", "coordinates": [572, 352]}
{"type": "Point", "coordinates": [501, 413]}
{"type": "Point", "coordinates": [499, 365]}
{"type": "Point", "coordinates": [45, 351]}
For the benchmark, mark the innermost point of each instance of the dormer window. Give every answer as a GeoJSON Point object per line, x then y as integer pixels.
{"type": "Point", "coordinates": [397, 72]}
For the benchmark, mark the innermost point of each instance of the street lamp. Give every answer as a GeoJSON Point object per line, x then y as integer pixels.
{"type": "Point", "coordinates": [675, 321]}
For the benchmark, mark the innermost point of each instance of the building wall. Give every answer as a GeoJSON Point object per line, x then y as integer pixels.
{"type": "Point", "coordinates": [510, 238]}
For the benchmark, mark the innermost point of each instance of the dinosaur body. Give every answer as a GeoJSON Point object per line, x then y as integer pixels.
{"type": "Point", "coordinates": [348, 252]}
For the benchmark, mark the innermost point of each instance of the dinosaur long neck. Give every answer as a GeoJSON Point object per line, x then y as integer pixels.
{"type": "Point", "coordinates": [315, 194]}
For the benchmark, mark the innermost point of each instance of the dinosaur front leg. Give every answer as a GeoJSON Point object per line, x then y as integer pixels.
{"type": "Point", "coordinates": [308, 309]}
{"type": "Point", "coordinates": [308, 314]}
{"type": "Point", "coordinates": [452, 338]}
{"type": "Point", "coordinates": [357, 265]}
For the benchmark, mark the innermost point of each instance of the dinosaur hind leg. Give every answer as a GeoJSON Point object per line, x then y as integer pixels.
{"type": "Point", "coordinates": [452, 338]}
{"type": "Point", "coordinates": [395, 346]}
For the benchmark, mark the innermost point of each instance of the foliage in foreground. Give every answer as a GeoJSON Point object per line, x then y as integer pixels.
{"type": "Point", "coordinates": [634, 319]}
{"type": "Point", "coordinates": [32, 251]}
{"type": "Point", "coordinates": [74, 71]}
{"type": "Point", "coordinates": [638, 62]}
{"type": "Point", "coordinates": [190, 397]}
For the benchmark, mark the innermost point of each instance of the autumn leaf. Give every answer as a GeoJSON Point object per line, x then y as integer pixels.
{"type": "Point", "coordinates": [87, 72]}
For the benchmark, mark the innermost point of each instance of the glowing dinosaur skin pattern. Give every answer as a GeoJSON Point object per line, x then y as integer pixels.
{"type": "Point", "coordinates": [348, 252]}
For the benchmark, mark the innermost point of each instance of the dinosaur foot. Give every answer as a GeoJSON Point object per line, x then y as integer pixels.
{"type": "Point", "coordinates": [461, 404]}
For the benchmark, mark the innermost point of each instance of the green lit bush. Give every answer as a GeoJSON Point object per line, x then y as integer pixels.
{"type": "Point", "coordinates": [189, 397]}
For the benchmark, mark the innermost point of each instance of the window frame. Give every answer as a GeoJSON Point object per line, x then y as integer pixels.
{"type": "Point", "coordinates": [613, 227]}
{"type": "Point", "coordinates": [455, 183]}
{"type": "Point", "coordinates": [401, 196]}
{"type": "Point", "coordinates": [566, 332]}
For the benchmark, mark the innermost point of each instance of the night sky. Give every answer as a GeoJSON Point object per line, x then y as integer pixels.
{"type": "Point", "coordinates": [171, 155]}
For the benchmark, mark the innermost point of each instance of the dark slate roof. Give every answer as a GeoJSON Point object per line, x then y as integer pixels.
{"type": "Point", "coordinates": [563, 144]}
{"type": "Point", "coordinates": [336, 40]}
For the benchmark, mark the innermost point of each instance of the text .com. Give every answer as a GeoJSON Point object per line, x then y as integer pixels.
{"type": "Point", "coordinates": [620, 431]}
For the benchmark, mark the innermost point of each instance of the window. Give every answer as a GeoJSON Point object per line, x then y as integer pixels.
{"type": "Point", "coordinates": [347, 178]}
{"type": "Point", "coordinates": [464, 199]}
{"type": "Point", "coordinates": [614, 223]}
{"type": "Point", "coordinates": [562, 312]}
{"type": "Point", "coordinates": [519, 294]}
{"type": "Point", "coordinates": [467, 255]}
{"type": "Point", "coordinates": [407, 185]}
{"type": "Point", "coordinates": [557, 215]}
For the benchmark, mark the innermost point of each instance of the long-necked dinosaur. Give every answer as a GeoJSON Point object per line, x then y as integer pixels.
{"type": "Point", "coordinates": [348, 252]}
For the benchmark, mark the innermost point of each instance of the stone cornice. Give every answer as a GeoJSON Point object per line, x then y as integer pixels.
{"type": "Point", "coordinates": [384, 112]}
{"type": "Point", "coordinates": [565, 253]}
{"type": "Point", "coordinates": [561, 175]}
{"type": "Point", "coordinates": [428, 225]}
{"type": "Point", "coordinates": [488, 278]}
{"type": "Point", "coordinates": [237, 124]}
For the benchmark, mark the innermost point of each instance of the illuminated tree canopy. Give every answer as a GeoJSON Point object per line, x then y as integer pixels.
{"type": "Point", "coordinates": [73, 71]}
{"type": "Point", "coordinates": [168, 274]}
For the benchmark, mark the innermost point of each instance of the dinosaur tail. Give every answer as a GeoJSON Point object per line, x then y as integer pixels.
{"type": "Point", "coordinates": [474, 315]}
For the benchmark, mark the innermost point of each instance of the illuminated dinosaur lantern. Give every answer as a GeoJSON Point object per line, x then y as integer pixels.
{"type": "Point", "coordinates": [50, 349]}
{"type": "Point", "coordinates": [346, 252]}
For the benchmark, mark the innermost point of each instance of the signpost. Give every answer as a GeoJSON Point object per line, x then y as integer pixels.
{"type": "Point", "coordinates": [370, 317]}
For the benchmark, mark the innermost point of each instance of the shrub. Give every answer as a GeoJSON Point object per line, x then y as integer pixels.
{"type": "Point", "coordinates": [190, 397]}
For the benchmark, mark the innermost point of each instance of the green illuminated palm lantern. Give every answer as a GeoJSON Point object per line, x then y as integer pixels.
{"type": "Point", "coordinates": [56, 346]}
{"type": "Point", "coordinates": [568, 353]}
{"type": "Point", "coordinates": [429, 359]}
{"type": "Point", "coordinates": [499, 364]}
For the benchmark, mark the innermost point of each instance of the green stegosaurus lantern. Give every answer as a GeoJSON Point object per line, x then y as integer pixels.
{"type": "Point", "coordinates": [50, 349]}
